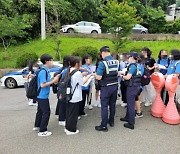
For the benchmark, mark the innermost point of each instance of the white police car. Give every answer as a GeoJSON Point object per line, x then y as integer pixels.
{"type": "Point", "coordinates": [14, 79]}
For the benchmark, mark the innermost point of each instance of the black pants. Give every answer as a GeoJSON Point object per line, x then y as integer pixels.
{"type": "Point", "coordinates": [62, 109]}
{"type": "Point", "coordinates": [43, 114]}
{"type": "Point", "coordinates": [166, 97]}
{"type": "Point", "coordinates": [57, 108]}
{"type": "Point", "coordinates": [72, 110]}
{"type": "Point", "coordinates": [85, 95]}
{"type": "Point", "coordinates": [132, 93]}
{"type": "Point", "coordinates": [123, 91]}
{"type": "Point", "coordinates": [108, 98]}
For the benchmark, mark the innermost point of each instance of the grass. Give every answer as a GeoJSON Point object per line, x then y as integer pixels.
{"type": "Point", "coordinates": [69, 44]}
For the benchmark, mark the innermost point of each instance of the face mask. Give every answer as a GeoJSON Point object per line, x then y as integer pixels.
{"type": "Point", "coordinates": [171, 57]}
{"type": "Point", "coordinates": [35, 68]}
{"type": "Point", "coordinates": [164, 56]}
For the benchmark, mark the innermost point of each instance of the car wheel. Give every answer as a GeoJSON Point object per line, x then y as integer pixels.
{"type": "Point", "coordinates": [10, 83]}
{"type": "Point", "coordinates": [143, 32]}
{"type": "Point", "coordinates": [94, 32]}
{"type": "Point", "coordinates": [70, 30]}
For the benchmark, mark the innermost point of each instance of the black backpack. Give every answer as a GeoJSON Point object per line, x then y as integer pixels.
{"type": "Point", "coordinates": [32, 89]}
{"type": "Point", "coordinates": [146, 77]}
{"type": "Point", "coordinates": [55, 86]}
{"type": "Point", "coordinates": [65, 88]}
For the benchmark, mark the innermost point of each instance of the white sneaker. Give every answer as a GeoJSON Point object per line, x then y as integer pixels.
{"type": "Point", "coordinates": [79, 117]}
{"type": "Point", "coordinates": [65, 130]}
{"type": "Point", "coordinates": [62, 123]}
{"type": "Point", "coordinates": [36, 129]}
{"type": "Point", "coordinates": [46, 133]}
{"type": "Point", "coordinates": [90, 107]}
{"type": "Point", "coordinates": [148, 104]}
{"type": "Point", "coordinates": [71, 133]}
{"type": "Point", "coordinates": [123, 104]}
{"type": "Point", "coordinates": [30, 103]}
{"type": "Point", "coordinates": [35, 104]}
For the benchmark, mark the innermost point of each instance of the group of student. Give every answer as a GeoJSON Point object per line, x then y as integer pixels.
{"type": "Point", "coordinates": [114, 78]}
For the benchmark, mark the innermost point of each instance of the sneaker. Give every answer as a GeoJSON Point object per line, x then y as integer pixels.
{"type": "Point", "coordinates": [100, 128]}
{"type": "Point", "coordinates": [79, 117]}
{"type": "Point", "coordinates": [99, 105]}
{"type": "Point", "coordinates": [148, 104]}
{"type": "Point", "coordinates": [123, 119]}
{"type": "Point", "coordinates": [36, 129]}
{"type": "Point", "coordinates": [62, 123]}
{"type": "Point", "coordinates": [65, 130]}
{"type": "Point", "coordinates": [84, 115]}
{"type": "Point", "coordinates": [71, 133]}
{"type": "Point", "coordinates": [111, 124]}
{"type": "Point", "coordinates": [35, 104]}
{"type": "Point", "coordinates": [30, 103]}
{"type": "Point", "coordinates": [127, 125]}
{"type": "Point", "coordinates": [123, 104]}
{"type": "Point", "coordinates": [139, 115]}
{"type": "Point", "coordinates": [46, 133]}
{"type": "Point", "coordinates": [90, 107]}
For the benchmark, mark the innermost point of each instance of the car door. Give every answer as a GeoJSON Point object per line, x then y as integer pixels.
{"type": "Point", "coordinates": [136, 29]}
{"type": "Point", "coordinates": [79, 27]}
{"type": "Point", "coordinates": [88, 27]}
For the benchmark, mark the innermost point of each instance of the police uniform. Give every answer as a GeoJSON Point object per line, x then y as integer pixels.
{"type": "Point", "coordinates": [133, 87]}
{"type": "Point", "coordinates": [108, 69]}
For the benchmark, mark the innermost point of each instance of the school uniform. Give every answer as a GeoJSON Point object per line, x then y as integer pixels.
{"type": "Point", "coordinates": [61, 107]}
{"type": "Point", "coordinates": [123, 87]}
{"type": "Point", "coordinates": [164, 93]}
{"type": "Point", "coordinates": [43, 110]}
{"type": "Point", "coordinates": [85, 92]}
{"type": "Point", "coordinates": [72, 107]}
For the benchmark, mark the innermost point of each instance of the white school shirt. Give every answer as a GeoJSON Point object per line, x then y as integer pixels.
{"type": "Point", "coordinates": [76, 78]}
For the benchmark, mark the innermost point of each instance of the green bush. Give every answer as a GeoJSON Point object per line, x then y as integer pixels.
{"type": "Point", "coordinates": [23, 59]}
{"type": "Point", "coordinates": [81, 51]}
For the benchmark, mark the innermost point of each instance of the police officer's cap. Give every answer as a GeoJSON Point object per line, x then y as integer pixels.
{"type": "Point", "coordinates": [105, 49]}
{"type": "Point", "coordinates": [133, 54]}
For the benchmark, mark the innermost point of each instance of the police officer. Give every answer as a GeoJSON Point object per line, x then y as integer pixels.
{"type": "Point", "coordinates": [107, 72]}
{"type": "Point", "coordinates": [133, 81]}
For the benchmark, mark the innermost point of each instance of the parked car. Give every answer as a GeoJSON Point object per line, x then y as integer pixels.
{"type": "Point", "coordinates": [82, 27]}
{"type": "Point", "coordinates": [14, 79]}
{"type": "Point", "coordinates": [137, 29]}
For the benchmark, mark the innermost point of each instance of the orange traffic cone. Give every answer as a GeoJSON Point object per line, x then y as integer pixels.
{"type": "Point", "coordinates": [171, 115]}
{"type": "Point", "coordinates": [158, 106]}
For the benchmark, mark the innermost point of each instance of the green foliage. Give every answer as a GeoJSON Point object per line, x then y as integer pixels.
{"type": "Point", "coordinates": [172, 27]}
{"type": "Point", "coordinates": [120, 18]}
{"type": "Point", "coordinates": [24, 58]}
{"type": "Point", "coordinates": [81, 51]}
{"type": "Point", "coordinates": [154, 20]}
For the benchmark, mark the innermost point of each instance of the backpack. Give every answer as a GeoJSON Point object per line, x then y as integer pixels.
{"type": "Point", "coordinates": [65, 88]}
{"type": "Point", "coordinates": [146, 77]}
{"type": "Point", "coordinates": [55, 86]}
{"type": "Point", "coordinates": [32, 89]}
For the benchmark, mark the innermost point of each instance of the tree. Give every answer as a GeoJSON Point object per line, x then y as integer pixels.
{"type": "Point", "coordinates": [11, 29]}
{"type": "Point", "coordinates": [120, 19]}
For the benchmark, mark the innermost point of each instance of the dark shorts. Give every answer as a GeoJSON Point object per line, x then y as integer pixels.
{"type": "Point", "coordinates": [97, 85]}
{"type": "Point", "coordinates": [139, 93]}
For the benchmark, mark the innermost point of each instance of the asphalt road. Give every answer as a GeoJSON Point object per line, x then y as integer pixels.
{"type": "Point", "coordinates": [150, 135]}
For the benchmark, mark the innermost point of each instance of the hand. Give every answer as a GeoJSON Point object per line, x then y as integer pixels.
{"type": "Point", "coordinates": [56, 78]}
{"type": "Point", "coordinates": [84, 74]}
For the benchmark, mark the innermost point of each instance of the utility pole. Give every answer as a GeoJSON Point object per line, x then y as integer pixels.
{"type": "Point", "coordinates": [43, 17]}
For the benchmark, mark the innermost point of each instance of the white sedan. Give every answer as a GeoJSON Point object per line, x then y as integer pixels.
{"type": "Point", "coordinates": [82, 27]}
{"type": "Point", "coordinates": [14, 79]}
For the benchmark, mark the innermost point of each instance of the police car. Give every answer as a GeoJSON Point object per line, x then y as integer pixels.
{"type": "Point", "coordinates": [18, 78]}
